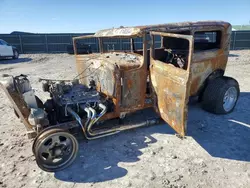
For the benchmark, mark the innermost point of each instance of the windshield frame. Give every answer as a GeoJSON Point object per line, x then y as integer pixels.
{"type": "Point", "coordinates": [100, 41]}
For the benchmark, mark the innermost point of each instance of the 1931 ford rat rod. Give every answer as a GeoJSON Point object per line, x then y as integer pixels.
{"type": "Point", "coordinates": [189, 61]}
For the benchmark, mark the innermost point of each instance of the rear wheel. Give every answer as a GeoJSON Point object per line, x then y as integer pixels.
{"type": "Point", "coordinates": [55, 149]}
{"type": "Point", "coordinates": [221, 95]}
{"type": "Point", "coordinates": [15, 54]}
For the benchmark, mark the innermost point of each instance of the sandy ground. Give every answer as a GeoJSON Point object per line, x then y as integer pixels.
{"type": "Point", "coordinates": [216, 152]}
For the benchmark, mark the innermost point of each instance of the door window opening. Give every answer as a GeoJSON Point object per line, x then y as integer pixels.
{"type": "Point", "coordinates": [174, 51]}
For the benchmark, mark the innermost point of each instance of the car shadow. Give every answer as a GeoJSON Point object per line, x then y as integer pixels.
{"type": "Point", "coordinates": [98, 160]}
{"type": "Point", "coordinates": [224, 136]}
{"type": "Point", "coordinates": [15, 61]}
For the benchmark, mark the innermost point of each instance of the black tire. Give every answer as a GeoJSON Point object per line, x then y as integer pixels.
{"type": "Point", "coordinates": [44, 130]}
{"type": "Point", "coordinates": [45, 134]}
{"type": "Point", "coordinates": [213, 96]}
{"type": "Point", "coordinates": [15, 54]}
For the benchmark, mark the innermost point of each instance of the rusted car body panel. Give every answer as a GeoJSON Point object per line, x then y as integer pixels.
{"type": "Point", "coordinates": [135, 80]}
{"type": "Point", "coordinates": [121, 77]}
{"type": "Point", "coordinates": [111, 85]}
{"type": "Point", "coordinates": [170, 27]}
{"type": "Point", "coordinates": [20, 107]}
{"type": "Point", "coordinates": [170, 86]}
{"type": "Point", "coordinates": [206, 62]}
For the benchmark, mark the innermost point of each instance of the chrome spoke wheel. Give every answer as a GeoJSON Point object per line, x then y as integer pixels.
{"type": "Point", "coordinates": [55, 149]}
{"type": "Point", "coordinates": [230, 98]}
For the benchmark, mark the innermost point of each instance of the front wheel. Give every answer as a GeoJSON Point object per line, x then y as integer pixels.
{"type": "Point", "coordinates": [55, 149]}
{"type": "Point", "coordinates": [15, 54]}
{"type": "Point", "coordinates": [221, 95]}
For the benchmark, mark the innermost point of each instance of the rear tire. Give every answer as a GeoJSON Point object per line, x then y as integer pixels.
{"type": "Point", "coordinates": [220, 95]}
{"type": "Point", "coordinates": [15, 54]}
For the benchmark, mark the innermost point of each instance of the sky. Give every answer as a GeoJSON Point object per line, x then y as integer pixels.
{"type": "Point", "coordinates": [80, 16]}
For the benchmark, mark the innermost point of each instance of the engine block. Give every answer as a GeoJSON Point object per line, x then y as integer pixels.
{"type": "Point", "coordinates": [68, 94]}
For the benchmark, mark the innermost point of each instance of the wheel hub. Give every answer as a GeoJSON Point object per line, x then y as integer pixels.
{"type": "Point", "coordinates": [55, 150]}
{"type": "Point", "coordinates": [229, 99]}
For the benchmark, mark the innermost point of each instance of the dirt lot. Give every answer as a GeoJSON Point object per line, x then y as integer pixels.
{"type": "Point", "coordinates": [216, 152]}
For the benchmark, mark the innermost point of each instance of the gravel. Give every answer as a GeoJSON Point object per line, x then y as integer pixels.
{"type": "Point", "coordinates": [216, 152]}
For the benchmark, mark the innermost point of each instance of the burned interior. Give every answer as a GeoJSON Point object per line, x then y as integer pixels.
{"type": "Point", "coordinates": [174, 51]}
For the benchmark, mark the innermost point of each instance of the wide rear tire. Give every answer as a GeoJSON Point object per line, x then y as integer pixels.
{"type": "Point", "coordinates": [221, 95]}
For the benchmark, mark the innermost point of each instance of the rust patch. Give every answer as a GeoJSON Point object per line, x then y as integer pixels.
{"type": "Point", "coordinates": [139, 30]}
{"type": "Point", "coordinates": [203, 65]}
{"type": "Point", "coordinates": [18, 104]}
{"type": "Point", "coordinates": [130, 83]}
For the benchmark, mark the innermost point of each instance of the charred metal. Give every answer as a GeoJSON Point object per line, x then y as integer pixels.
{"type": "Point", "coordinates": [113, 84]}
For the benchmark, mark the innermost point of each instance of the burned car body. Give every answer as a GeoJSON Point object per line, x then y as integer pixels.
{"type": "Point", "coordinates": [113, 84]}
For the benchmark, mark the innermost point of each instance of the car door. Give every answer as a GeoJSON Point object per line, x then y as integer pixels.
{"type": "Point", "coordinates": [171, 85]}
{"type": "Point", "coordinates": [5, 49]}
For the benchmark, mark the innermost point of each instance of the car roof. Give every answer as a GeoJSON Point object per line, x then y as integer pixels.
{"type": "Point", "coordinates": [139, 30]}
